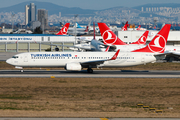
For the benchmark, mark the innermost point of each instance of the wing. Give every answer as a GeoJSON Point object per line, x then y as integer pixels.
{"type": "Point", "coordinates": [98, 62]}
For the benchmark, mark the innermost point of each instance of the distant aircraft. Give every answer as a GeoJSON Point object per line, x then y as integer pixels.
{"type": "Point", "coordinates": [140, 28]}
{"type": "Point", "coordinates": [78, 30]}
{"type": "Point", "coordinates": [78, 26]}
{"type": "Point", "coordinates": [142, 39]}
{"type": "Point", "coordinates": [64, 30]}
{"type": "Point", "coordinates": [124, 28]}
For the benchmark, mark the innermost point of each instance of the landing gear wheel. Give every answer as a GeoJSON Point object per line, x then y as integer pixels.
{"type": "Point", "coordinates": [89, 70]}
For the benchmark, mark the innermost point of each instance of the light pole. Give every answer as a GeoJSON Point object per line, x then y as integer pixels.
{"type": "Point", "coordinates": [12, 20]}
{"type": "Point", "coordinates": [75, 26]}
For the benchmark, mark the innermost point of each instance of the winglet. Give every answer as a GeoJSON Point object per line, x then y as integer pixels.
{"type": "Point", "coordinates": [107, 49]}
{"type": "Point", "coordinates": [115, 55]}
{"type": "Point", "coordinates": [64, 30]}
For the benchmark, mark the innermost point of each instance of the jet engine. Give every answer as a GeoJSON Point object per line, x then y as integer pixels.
{"type": "Point", "coordinates": [56, 48]}
{"type": "Point", "coordinates": [73, 67]}
{"type": "Point", "coordinates": [112, 48]}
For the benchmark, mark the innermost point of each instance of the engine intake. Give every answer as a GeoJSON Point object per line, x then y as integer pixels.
{"type": "Point", "coordinates": [56, 49]}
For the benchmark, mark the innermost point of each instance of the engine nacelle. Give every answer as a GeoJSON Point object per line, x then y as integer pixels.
{"type": "Point", "coordinates": [56, 49]}
{"type": "Point", "coordinates": [112, 48]}
{"type": "Point", "coordinates": [73, 67]}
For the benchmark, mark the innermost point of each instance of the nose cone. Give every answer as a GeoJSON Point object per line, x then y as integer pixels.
{"type": "Point", "coordinates": [9, 61]}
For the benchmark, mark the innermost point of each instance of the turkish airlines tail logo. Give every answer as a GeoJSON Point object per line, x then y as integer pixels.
{"type": "Point", "coordinates": [64, 30]}
{"type": "Point", "coordinates": [125, 26]}
{"type": "Point", "coordinates": [158, 43]}
{"type": "Point", "coordinates": [142, 39]}
{"type": "Point", "coordinates": [109, 37]}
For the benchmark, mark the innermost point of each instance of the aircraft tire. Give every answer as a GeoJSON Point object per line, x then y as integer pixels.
{"type": "Point", "coordinates": [89, 70]}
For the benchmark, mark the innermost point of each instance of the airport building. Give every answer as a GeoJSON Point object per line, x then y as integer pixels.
{"type": "Point", "coordinates": [32, 42]}
{"type": "Point", "coordinates": [36, 42]}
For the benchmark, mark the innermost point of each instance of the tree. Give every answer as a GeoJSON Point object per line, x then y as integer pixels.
{"type": "Point", "coordinates": [37, 30]}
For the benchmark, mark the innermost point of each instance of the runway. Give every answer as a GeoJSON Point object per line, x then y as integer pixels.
{"type": "Point", "coordinates": [89, 118]}
{"type": "Point", "coordinates": [95, 74]}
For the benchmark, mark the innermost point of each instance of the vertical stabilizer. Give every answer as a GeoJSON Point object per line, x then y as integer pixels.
{"type": "Point", "coordinates": [158, 43]}
{"type": "Point", "coordinates": [64, 30]}
{"type": "Point", "coordinates": [125, 26]}
{"type": "Point", "coordinates": [142, 39]}
{"type": "Point", "coordinates": [109, 37]}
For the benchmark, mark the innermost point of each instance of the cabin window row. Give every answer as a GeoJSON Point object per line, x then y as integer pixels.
{"type": "Point", "coordinates": [81, 58]}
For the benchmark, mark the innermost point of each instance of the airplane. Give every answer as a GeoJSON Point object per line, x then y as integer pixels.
{"type": "Point", "coordinates": [95, 45]}
{"type": "Point", "coordinates": [76, 61]}
{"type": "Point", "coordinates": [140, 28]}
{"type": "Point", "coordinates": [112, 39]}
{"type": "Point", "coordinates": [109, 38]}
{"type": "Point", "coordinates": [173, 52]}
{"type": "Point", "coordinates": [78, 30]}
{"type": "Point", "coordinates": [85, 45]}
{"type": "Point", "coordinates": [78, 26]}
{"type": "Point", "coordinates": [124, 28]}
{"type": "Point", "coordinates": [142, 39]}
{"type": "Point", "coordinates": [64, 30]}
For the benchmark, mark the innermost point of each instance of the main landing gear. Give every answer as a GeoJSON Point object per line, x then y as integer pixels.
{"type": "Point", "coordinates": [89, 70]}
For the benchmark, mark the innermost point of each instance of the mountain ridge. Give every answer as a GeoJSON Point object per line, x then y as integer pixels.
{"type": "Point", "coordinates": [55, 9]}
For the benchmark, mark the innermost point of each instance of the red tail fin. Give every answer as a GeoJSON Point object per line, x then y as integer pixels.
{"type": "Point", "coordinates": [125, 26]}
{"type": "Point", "coordinates": [139, 27]}
{"type": "Point", "coordinates": [108, 36]}
{"type": "Point", "coordinates": [158, 43]}
{"type": "Point", "coordinates": [64, 30]}
{"type": "Point", "coordinates": [142, 39]}
{"type": "Point", "coordinates": [94, 30]}
{"type": "Point", "coordinates": [86, 30]}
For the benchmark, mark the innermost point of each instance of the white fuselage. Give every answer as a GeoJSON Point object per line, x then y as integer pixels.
{"type": "Point", "coordinates": [61, 59]}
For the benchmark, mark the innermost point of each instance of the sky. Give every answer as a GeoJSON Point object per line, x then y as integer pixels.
{"type": "Point", "coordinates": [91, 4]}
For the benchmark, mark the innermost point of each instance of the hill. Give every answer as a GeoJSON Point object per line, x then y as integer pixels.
{"type": "Point", "coordinates": [52, 8]}
{"type": "Point", "coordinates": [173, 5]}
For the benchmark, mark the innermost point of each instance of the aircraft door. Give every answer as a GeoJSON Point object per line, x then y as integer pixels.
{"type": "Point", "coordinates": [25, 58]}
{"type": "Point", "coordinates": [143, 58]}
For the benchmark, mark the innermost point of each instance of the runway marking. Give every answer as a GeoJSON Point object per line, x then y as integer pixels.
{"type": "Point", "coordinates": [52, 77]}
{"type": "Point", "coordinates": [104, 119]}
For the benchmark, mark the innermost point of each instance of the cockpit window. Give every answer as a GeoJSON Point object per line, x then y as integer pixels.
{"type": "Point", "coordinates": [15, 57]}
